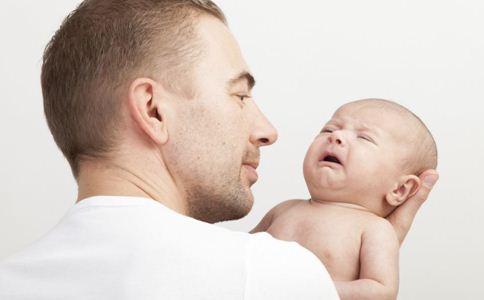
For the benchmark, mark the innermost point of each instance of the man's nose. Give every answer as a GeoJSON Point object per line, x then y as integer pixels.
{"type": "Point", "coordinates": [336, 137]}
{"type": "Point", "coordinates": [263, 133]}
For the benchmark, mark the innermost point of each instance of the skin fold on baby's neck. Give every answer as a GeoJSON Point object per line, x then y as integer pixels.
{"type": "Point", "coordinates": [340, 204]}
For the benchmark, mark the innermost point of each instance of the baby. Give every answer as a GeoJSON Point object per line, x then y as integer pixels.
{"type": "Point", "coordinates": [361, 166]}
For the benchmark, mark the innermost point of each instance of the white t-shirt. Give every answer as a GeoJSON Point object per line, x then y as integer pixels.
{"type": "Point", "coordinates": [111, 247]}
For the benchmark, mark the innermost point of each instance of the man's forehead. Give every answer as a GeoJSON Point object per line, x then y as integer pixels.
{"type": "Point", "coordinates": [218, 40]}
{"type": "Point", "coordinates": [223, 57]}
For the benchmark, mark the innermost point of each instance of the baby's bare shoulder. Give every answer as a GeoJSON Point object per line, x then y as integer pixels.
{"type": "Point", "coordinates": [376, 225]}
{"type": "Point", "coordinates": [378, 222]}
{"type": "Point", "coordinates": [286, 205]}
{"type": "Point", "coordinates": [292, 202]}
{"type": "Point", "coordinates": [274, 214]}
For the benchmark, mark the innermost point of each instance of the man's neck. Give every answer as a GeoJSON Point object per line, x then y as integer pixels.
{"type": "Point", "coordinates": [113, 179]}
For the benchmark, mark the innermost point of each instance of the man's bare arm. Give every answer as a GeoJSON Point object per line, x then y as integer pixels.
{"type": "Point", "coordinates": [402, 217]}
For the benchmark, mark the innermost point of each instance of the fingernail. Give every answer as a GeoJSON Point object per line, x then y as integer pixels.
{"type": "Point", "coordinates": [430, 180]}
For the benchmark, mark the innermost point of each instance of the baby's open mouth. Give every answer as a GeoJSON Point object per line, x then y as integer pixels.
{"type": "Point", "coordinates": [332, 159]}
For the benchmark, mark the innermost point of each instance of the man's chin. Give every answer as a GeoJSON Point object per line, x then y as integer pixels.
{"type": "Point", "coordinates": [228, 207]}
{"type": "Point", "coordinates": [239, 209]}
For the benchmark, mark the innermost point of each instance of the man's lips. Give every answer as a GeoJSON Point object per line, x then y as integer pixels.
{"type": "Point", "coordinates": [251, 167]}
{"type": "Point", "coordinates": [253, 164]}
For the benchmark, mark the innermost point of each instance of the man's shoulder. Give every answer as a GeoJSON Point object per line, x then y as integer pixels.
{"type": "Point", "coordinates": [271, 262]}
{"type": "Point", "coordinates": [154, 246]}
{"type": "Point", "coordinates": [266, 250]}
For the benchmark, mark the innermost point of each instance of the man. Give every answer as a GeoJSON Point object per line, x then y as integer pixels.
{"type": "Point", "coordinates": [150, 102]}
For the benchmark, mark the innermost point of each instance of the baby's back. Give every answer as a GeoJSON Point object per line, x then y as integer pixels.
{"type": "Point", "coordinates": [331, 232]}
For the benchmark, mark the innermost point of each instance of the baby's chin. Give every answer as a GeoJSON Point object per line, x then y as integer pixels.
{"type": "Point", "coordinates": [325, 188]}
{"type": "Point", "coordinates": [325, 178]}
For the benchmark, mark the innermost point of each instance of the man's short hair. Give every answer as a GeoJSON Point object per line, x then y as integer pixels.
{"type": "Point", "coordinates": [99, 49]}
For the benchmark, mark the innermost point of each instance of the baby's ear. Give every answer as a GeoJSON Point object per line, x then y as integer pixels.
{"type": "Point", "coordinates": [406, 187]}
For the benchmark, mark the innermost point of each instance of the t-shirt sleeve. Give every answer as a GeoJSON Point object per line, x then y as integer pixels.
{"type": "Point", "coordinates": [285, 270]}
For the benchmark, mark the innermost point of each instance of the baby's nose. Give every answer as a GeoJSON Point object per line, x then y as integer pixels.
{"type": "Point", "coordinates": [335, 138]}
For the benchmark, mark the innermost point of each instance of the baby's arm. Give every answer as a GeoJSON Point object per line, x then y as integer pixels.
{"type": "Point", "coordinates": [378, 266]}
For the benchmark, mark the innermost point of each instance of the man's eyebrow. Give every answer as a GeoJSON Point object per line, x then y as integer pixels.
{"type": "Point", "coordinates": [243, 76]}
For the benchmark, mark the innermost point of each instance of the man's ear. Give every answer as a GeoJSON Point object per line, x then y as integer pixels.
{"type": "Point", "coordinates": [406, 187]}
{"type": "Point", "coordinates": [146, 107]}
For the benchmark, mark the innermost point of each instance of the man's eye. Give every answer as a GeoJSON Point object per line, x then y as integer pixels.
{"type": "Point", "coordinates": [326, 131]}
{"type": "Point", "coordinates": [243, 97]}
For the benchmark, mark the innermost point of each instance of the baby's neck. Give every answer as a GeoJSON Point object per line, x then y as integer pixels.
{"type": "Point", "coordinates": [340, 204]}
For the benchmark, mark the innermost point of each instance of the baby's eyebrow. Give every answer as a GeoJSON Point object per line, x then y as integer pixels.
{"type": "Point", "coordinates": [365, 127]}
{"type": "Point", "coordinates": [330, 123]}
{"type": "Point", "coordinates": [371, 129]}
{"type": "Point", "coordinates": [360, 126]}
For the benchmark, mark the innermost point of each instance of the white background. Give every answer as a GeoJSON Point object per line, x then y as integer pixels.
{"type": "Point", "coordinates": [309, 57]}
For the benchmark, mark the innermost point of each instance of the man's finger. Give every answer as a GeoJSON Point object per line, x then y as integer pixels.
{"type": "Point", "coordinates": [402, 217]}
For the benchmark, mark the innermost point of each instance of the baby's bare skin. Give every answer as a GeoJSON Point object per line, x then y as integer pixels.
{"type": "Point", "coordinates": [332, 231]}
{"type": "Point", "coordinates": [363, 164]}
{"type": "Point", "coordinates": [359, 248]}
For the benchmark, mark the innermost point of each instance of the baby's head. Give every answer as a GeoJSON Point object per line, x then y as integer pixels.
{"type": "Point", "coordinates": [370, 153]}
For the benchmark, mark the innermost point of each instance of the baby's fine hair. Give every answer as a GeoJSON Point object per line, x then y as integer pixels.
{"type": "Point", "coordinates": [424, 155]}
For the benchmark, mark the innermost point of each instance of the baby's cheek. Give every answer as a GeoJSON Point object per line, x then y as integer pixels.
{"type": "Point", "coordinates": [366, 173]}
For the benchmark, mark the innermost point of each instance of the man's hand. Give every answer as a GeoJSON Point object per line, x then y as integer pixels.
{"type": "Point", "coordinates": [402, 217]}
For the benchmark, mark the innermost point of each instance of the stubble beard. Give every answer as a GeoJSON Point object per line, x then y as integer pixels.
{"type": "Point", "coordinates": [212, 204]}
